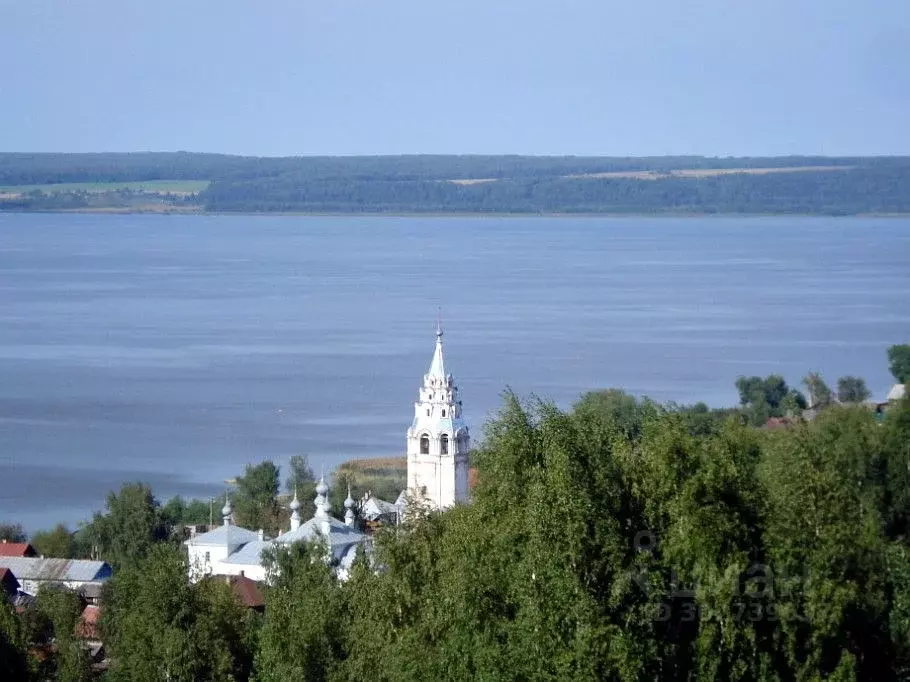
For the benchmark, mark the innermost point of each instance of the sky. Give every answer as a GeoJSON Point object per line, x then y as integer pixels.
{"type": "Point", "coordinates": [585, 77]}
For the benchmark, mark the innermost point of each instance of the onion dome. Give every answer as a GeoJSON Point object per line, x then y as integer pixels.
{"type": "Point", "coordinates": [226, 510]}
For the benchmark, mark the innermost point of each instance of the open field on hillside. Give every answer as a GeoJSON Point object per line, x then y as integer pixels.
{"type": "Point", "coordinates": [385, 477]}
{"type": "Point", "coordinates": [681, 173]}
{"type": "Point", "coordinates": [710, 172]}
{"type": "Point", "coordinates": [178, 187]}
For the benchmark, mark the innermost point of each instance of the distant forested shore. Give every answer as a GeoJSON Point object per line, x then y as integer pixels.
{"type": "Point", "coordinates": [196, 182]}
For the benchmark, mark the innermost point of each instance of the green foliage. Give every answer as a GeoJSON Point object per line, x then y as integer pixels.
{"type": "Point", "coordinates": [624, 541]}
{"type": "Point", "coordinates": [158, 626]}
{"type": "Point", "coordinates": [61, 608]}
{"type": "Point", "coordinates": [302, 638]}
{"type": "Point", "coordinates": [74, 664]}
{"type": "Point", "coordinates": [256, 501]}
{"type": "Point", "coordinates": [852, 390]}
{"type": "Point", "coordinates": [57, 542]}
{"type": "Point", "coordinates": [301, 477]}
{"type": "Point", "coordinates": [899, 362]}
{"type": "Point", "coordinates": [768, 397]}
{"type": "Point", "coordinates": [13, 644]}
{"type": "Point", "coordinates": [12, 532]}
{"type": "Point", "coordinates": [819, 393]}
{"type": "Point", "coordinates": [520, 184]}
{"type": "Point", "coordinates": [614, 410]}
{"type": "Point", "coordinates": [895, 436]}
{"type": "Point", "coordinates": [130, 528]}
{"type": "Point", "coordinates": [178, 511]}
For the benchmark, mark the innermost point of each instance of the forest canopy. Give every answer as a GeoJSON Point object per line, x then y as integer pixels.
{"type": "Point", "coordinates": [471, 184]}
{"type": "Point", "coordinates": [622, 539]}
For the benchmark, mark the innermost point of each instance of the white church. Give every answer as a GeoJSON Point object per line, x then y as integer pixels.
{"type": "Point", "coordinates": [437, 453]}
{"type": "Point", "coordinates": [438, 440]}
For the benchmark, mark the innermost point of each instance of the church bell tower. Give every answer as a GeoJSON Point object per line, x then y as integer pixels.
{"type": "Point", "coordinates": [438, 440]}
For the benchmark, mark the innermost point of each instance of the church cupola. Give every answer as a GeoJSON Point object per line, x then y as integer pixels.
{"type": "Point", "coordinates": [438, 440]}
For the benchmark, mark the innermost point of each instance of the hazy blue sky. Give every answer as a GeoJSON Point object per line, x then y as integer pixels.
{"type": "Point", "coordinates": [632, 77]}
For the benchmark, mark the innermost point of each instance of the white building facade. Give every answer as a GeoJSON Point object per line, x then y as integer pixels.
{"type": "Point", "coordinates": [232, 550]}
{"type": "Point", "coordinates": [438, 440]}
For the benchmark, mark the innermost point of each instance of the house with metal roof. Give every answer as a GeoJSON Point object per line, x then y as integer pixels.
{"type": "Point", "coordinates": [34, 572]}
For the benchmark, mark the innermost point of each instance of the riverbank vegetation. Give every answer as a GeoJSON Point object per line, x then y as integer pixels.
{"type": "Point", "coordinates": [455, 184]}
{"type": "Point", "coordinates": [622, 539]}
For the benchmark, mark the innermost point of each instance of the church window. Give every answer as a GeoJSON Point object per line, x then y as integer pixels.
{"type": "Point", "coordinates": [444, 444]}
{"type": "Point", "coordinates": [428, 411]}
{"type": "Point", "coordinates": [443, 413]}
{"type": "Point", "coordinates": [424, 444]}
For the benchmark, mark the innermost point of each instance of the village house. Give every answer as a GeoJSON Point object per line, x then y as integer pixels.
{"type": "Point", "coordinates": [20, 549]}
{"type": "Point", "coordinates": [33, 572]}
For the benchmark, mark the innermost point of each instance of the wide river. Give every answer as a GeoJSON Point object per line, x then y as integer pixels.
{"type": "Point", "coordinates": [177, 349]}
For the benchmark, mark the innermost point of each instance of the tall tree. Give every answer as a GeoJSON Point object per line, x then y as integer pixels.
{"type": "Point", "coordinates": [59, 609]}
{"type": "Point", "coordinates": [256, 503]}
{"type": "Point", "coordinates": [852, 390]}
{"type": "Point", "coordinates": [12, 532]}
{"type": "Point", "coordinates": [57, 542]}
{"type": "Point", "coordinates": [300, 476]}
{"type": "Point", "coordinates": [764, 398]}
{"type": "Point", "coordinates": [302, 637]}
{"type": "Point", "coordinates": [819, 393]}
{"type": "Point", "coordinates": [157, 626]}
{"type": "Point", "coordinates": [131, 526]}
{"type": "Point", "coordinates": [899, 362]}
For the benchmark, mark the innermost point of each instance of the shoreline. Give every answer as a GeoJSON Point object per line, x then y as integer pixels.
{"type": "Point", "coordinates": [171, 211]}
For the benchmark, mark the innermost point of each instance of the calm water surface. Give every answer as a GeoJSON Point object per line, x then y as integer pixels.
{"type": "Point", "coordinates": [177, 349]}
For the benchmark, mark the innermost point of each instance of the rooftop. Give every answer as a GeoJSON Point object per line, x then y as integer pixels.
{"type": "Point", "coordinates": [60, 570]}
{"type": "Point", "coordinates": [247, 591]}
{"type": "Point", "coordinates": [17, 549]}
{"type": "Point", "coordinates": [340, 537]}
{"type": "Point", "coordinates": [87, 625]}
{"type": "Point", "coordinates": [228, 534]}
{"type": "Point", "coordinates": [8, 581]}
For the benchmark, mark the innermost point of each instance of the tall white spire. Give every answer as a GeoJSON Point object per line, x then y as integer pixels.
{"type": "Point", "coordinates": [295, 511]}
{"type": "Point", "coordinates": [437, 366]}
{"type": "Point", "coordinates": [226, 510]}
{"type": "Point", "coordinates": [323, 507]}
{"type": "Point", "coordinates": [349, 509]}
{"type": "Point", "coordinates": [438, 439]}
{"type": "Point", "coordinates": [321, 500]}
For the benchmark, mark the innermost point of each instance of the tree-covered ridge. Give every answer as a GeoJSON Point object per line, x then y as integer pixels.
{"type": "Point", "coordinates": [475, 184]}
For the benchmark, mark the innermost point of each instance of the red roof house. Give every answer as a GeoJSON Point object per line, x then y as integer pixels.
{"type": "Point", "coordinates": [87, 625]}
{"type": "Point", "coordinates": [247, 591]}
{"type": "Point", "coordinates": [20, 549]}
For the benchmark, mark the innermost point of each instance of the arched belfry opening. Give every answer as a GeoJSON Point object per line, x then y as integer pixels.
{"type": "Point", "coordinates": [424, 444]}
{"type": "Point", "coordinates": [444, 444]}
